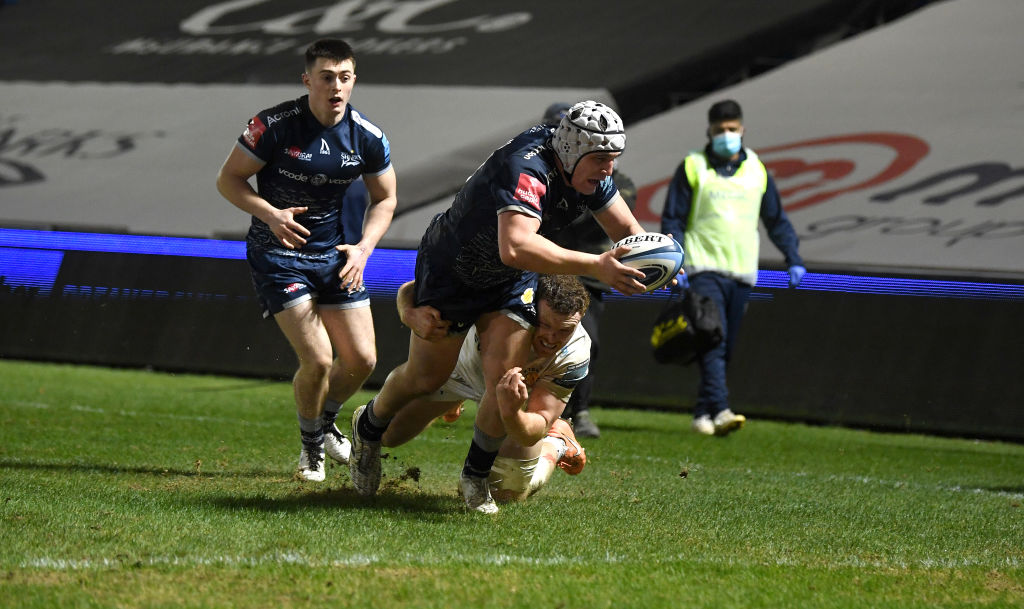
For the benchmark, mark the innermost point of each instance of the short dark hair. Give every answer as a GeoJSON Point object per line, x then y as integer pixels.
{"type": "Point", "coordinates": [333, 49]}
{"type": "Point", "coordinates": [725, 110]}
{"type": "Point", "coordinates": [553, 115]}
{"type": "Point", "coordinates": [565, 294]}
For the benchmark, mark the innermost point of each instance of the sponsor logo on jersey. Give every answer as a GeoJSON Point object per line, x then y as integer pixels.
{"type": "Point", "coordinates": [273, 118]}
{"type": "Point", "coordinates": [533, 152]}
{"type": "Point", "coordinates": [295, 153]}
{"type": "Point", "coordinates": [573, 373]}
{"type": "Point", "coordinates": [300, 177]}
{"type": "Point", "coordinates": [292, 288]}
{"type": "Point", "coordinates": [529, 190]}
{"type": "Point", "coordinates": [254, 131]}
{"type": "Point", "coordinates": [576, 372]}
{"type": "Point", "coordinates": [320, 179]}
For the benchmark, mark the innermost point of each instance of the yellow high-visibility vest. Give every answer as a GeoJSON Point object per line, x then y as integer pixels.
{"type": "Point", "coordinates": [721, 232]}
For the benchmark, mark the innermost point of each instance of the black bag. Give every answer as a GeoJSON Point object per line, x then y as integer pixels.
{"type": "Point", "coordinates": [685, 329]}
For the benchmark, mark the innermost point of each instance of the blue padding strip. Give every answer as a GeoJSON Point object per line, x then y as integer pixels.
{"type": "Point", "coordinates": [122, 244]}
{"type": "Point", "coordinates": [387, 269]}
{"type": "Point", "coordinates": [31, 269]}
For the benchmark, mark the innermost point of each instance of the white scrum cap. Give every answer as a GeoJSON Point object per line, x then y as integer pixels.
{"type": "Point", "coordinates": [588, 126]}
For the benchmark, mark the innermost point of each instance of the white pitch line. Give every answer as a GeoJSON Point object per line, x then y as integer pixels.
{"type": "Point", "coordinates": [899, 484]}
{"type": "Point", "coordinates": [129, 413]}
{"type": "Point", "coordinates": [24, 404]}
{"type": "Point", "coordinates": [363, 560]}
{"type": "Point", "coordinates": [355, 560]}
{"type": "Point", "coordinates": [842, 478]}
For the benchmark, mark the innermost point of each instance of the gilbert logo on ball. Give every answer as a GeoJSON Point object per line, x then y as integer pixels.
{"type": "Point", "coordinates": [659, 257]}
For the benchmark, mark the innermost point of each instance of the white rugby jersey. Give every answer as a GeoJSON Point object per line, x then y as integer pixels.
{"type": "Point", "coordinates": [559, 373]}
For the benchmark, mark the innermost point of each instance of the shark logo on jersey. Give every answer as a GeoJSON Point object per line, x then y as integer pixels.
{"type": "Point", "coordinates": [350, 160]}
{"type": "Point", "coordinates": [324, 148]}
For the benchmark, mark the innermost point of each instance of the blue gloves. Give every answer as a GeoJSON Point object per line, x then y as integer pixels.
{"type": "Point", "coordinates": [796, 274]}
{"type": "Point", "coordinates": [682, 282]}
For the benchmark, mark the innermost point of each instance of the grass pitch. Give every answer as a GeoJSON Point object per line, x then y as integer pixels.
{"type": "Point", "coordinates": [123, 488]}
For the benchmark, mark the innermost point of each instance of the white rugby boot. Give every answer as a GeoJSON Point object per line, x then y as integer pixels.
{"type": "Point", "coordinates": [311, 463]}
{"type": "Point", "coordinates": [364, 462]}
{"type": "Point", "coordinates": [727, 422]}
{"type": "Point", "coordinates": [336, 445]}
{"type": "Point", "coordinates": [703, 425]}
{"type": "Point", "coordinates": [476, 493]}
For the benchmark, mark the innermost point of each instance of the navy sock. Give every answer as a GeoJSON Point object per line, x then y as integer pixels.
{"type": "Point", "coordinates": [371, 427]}
{"type": "Point", "coordinates": [330, 413]}
{"type": "Point", "coordinates": [312, 432]}
{"type": "Point", "coordinates": [478, 461]}
{"type": "Point", "coordinates": [482, 453]}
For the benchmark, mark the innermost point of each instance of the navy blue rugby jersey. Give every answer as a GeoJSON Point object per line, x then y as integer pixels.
{"type": "Point", "coordinates": [308, 164]}
{"type": "Point", "coordinates": [521, 176]}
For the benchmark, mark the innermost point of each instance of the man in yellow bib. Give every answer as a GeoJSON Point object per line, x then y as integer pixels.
{"type": "Point", "coordinates": [714, 201]}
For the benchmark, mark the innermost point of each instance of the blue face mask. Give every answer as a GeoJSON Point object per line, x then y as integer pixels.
{"type": "Point", "coordinates": [727, 144]}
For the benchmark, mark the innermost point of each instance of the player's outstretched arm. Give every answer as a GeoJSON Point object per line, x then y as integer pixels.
{"type": "Point", "coordinates": [520, 246]}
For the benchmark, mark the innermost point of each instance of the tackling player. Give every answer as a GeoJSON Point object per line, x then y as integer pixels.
{"type": "Point", "coordinates": [306, 261]}
{"type": "Point", "coordinates": [477, 264]}
{"type": "Point", "coordinates": [559, 360]}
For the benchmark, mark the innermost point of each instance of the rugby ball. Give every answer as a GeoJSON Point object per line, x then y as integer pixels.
{"type": "Point", "coordinates": [658, 256]}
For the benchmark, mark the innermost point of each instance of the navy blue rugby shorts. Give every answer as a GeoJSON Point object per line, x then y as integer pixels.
{"type": "Point", "coordinates": [462, 305]}
{"type": "Point", "coordinates": [283, 280]}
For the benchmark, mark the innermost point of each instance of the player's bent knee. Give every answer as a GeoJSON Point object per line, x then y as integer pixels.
{"type": "Point", "coordinates": [417, 384]}
{"type": "Point", "coordinates": [363, 367]}
{"type": "Point", "coordinates": [359, 368]}
{"type": "Point", "coordinates": [317, 366]}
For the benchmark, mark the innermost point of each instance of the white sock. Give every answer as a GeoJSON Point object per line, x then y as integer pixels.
{"type": "Point", "coordinates": [558, 444]}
